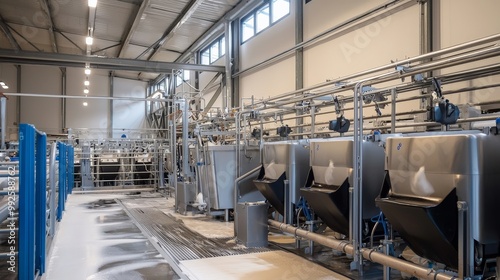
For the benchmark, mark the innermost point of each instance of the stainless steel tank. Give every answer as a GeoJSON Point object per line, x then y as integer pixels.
{"type": "Point", "coordinates": [331, 176]}
{"type": "Point", "coordinates": [283, 161]}
{"type": "Point", "coordinates": [427, 175]}
{"type": "Point", "coordinates": [218, 172]}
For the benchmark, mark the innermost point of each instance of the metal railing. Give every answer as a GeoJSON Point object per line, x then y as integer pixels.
{"type": "Point", "coordinates": [36, 225]}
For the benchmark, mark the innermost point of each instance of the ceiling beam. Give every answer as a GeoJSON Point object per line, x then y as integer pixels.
{"type": "Point", "coordinates": [72, 60]}
{"type": "Point", "coordinates": [133, 27]}
{"type": "Point", "coordinates": [10, 37]}
{"type": "Point", "coordinates": [46, 9]}
{"type": "Point", "coordinates": [185, 14]}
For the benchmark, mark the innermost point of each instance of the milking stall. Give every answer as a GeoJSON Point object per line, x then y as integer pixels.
{"type": "Point", "coordinates": [249, 139]}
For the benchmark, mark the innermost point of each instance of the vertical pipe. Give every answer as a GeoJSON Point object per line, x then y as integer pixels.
{"type": "Point", "coordinates": [26, 202]}
{"type": "Point", "coordinates": [393, 110]}
{"type": "Point", "coordinates": [63, 101]}
{"type": "Point", "coordinates": [313, 122]}
{"type": "Point", "coordinates": [288, 217]}
{"type": "Point", "coordinates": [41, 201]}
{"type": "Point", "coordinates": [185, 135]}
{"type": "Point", "coordinates": [111, 104]}
{"type": "Point", "coordinates": [160, 158]}
{"type": "Point", "coordinates": [357, 177]}
{"type": "Point", "coordinates": [462, 208]}
{"type": "Point", "coordinates": [3, 111]}
{"type": "Point", "coordinates": [18, 80]}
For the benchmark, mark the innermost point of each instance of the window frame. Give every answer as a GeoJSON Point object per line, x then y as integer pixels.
{"type": "Point", "coordinates": [253, 14]}
{"type": "Point", "coordinates": [208, 49]}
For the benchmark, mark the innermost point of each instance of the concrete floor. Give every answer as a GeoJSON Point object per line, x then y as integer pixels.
{"type": "Point", "coordinates": [96, 239]}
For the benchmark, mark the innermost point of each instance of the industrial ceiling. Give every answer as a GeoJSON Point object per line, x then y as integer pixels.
{"type": "Point", "coordinates": [148, 30]}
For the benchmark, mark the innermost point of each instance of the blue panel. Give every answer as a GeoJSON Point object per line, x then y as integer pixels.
{"type": "Point", "coordinates": [41, 201]}
{"type": "Point", "coordinates": [62, 180]}
{"type": "Point", "coordinates": [26, 202]}
{"type": "Point", "coordinates": [71, 168]}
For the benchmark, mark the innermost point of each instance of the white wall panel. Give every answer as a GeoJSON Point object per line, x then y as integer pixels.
{"type": "Point", "coordinates": [272, 80]}
{"type": "Point", "coordinates": [321, 15]}
{"type": "Point", "coordinates": [128, 114]}
{"type": "Point", "coordinates": [44, 113]}
{"type": "Point", "coordinates": [394, 37]}
{"type": "Point", "coordinates": [8, 74]}
{"type": "Point", "coordinates": [95, 115]}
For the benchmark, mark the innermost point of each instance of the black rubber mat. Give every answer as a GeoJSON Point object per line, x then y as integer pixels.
{"type": "Point", "coordinates": [181, 242]}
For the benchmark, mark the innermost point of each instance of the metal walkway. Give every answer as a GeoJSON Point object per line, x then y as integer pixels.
{"type": "Point", "coordinates": [179, 241]}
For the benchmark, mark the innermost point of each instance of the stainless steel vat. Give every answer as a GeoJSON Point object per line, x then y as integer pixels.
{"type": "Point", "coordinates": [283, 173]}
{"type": "Point", "coordinates": [218, 172]}
{"type": "Point", "coordinates": [331, 176]}
{"type": "Point", "coordinates": [427, 175]}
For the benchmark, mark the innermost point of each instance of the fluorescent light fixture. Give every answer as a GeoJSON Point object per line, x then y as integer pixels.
{"type": "Point", "coordinates": [5, 87]}
{"type": "Point", "coordinates": [85, 104]}
{"type": "Point", "coordinates": [2, 83]}
{"type": "Point", "coordinates": [89, 40]}
{"type": "Point", "coordinates": [93, 3]}
{"type": "Point", "coordinates": [86, 83]}
{"type": "Point", "coordinates": [87, 71]}
{"type": "Point", "coordinates": [86, 91]}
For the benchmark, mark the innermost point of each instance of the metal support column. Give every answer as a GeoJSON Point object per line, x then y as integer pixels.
{"type": "Point", "coordinates": [110, 115]}
{"type": "Point", "coordinates": [226, 97]}
{"type": "Point", "coordinates": [63, 101]}
{"type": "Point", "coordinates": [235, 62]}
{"type": "Point", "coordinates": [185, 135]}
{"type": "Point", "coordinates": [357, 179]}
{"type": "Point", "coordinates": [299, 57]}
{"type": "Point", "coordinates": [18, 90]}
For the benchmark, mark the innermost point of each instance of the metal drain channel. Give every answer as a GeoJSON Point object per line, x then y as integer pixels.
{"type": "Point", "coordinates": [180, 242]}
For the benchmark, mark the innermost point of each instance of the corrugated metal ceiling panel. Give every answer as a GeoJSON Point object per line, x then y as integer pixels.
{"type": "Point", "coordinates": [37, 36]}
{"type": "Point", "coordinates": [120, 13]}
{"type": "Point", "coordinates": [151, 29]}
{"type": "Point", "coordinates": [68, 16]}
{"type": "Point", "coordinates": [213, 10]}
{"type": "Point", "coordinates": [164, 55]}
{"type": "Point", "coordinates": [25, 12]}
{"type": "Point", "coordinates": [172, 6]}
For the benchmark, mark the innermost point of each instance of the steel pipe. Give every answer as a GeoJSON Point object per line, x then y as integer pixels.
{"type": "Point", "coordinates": [114, 190]}
{"type": "Point", "coordinates": [374, 256]}
{"type": "Point", "coordinates": [407, 61]}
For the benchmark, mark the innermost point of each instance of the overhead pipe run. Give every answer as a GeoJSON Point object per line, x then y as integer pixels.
{"type": "Point", "coordinates": [369, 254]}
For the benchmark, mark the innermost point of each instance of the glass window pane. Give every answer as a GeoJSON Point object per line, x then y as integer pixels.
{"type": "Point", "coordinates": [247, 28]}
{"type": "Point", "coordinates": [281, 8]}
{"type": "Point", "coordinates": [262, 18]}
{"type": "Point", "coordinates": [222, 46]}
{"type": "Point", "coordinates": [179, 77]}
{"type": "Point", "coordinates": [214, 52]}
{"type": "Point", "coordinates": [205, 57]}
{"type": "Point", "coordinates": [186, 75]}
